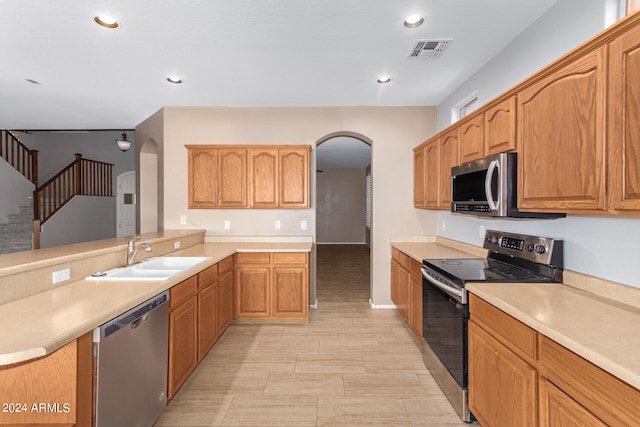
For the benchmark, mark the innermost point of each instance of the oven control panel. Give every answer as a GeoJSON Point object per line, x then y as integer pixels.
{"type": "Point", "coordinates": [543, 250]}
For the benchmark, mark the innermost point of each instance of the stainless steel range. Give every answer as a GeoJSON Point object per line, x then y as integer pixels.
{"type": "Point", "coordinates": [511, 258]}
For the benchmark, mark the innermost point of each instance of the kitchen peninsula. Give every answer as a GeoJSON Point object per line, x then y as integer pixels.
{"type": "Point", "coordinates": [52, 327]}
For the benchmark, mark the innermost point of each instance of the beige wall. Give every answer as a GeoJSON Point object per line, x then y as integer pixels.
{"type": "Point", "coordinates": [341, 206]}
{"type": "Point", "coordinates": [394, 131]}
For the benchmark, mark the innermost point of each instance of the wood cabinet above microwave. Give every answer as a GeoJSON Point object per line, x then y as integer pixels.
{"type": "Point", "coordinates": [248, 176]}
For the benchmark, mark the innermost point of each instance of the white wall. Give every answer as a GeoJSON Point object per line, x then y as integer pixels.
{"type": "Point", "coordinates": [82, 219]}
{"type": "Point", "coordinates": [394, 131]}
{"type": "Point", "coordinates": [605, 247]}
{"type": "Point", "coordinates": [15, 190]}
{"type": "Point", "coordinates": [341, 204]}
{"type": "Point", "coordinates": [563, 27]}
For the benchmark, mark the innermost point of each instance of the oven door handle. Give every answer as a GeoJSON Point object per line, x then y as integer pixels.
{"type": "Point", "coordinates": [448, 289]}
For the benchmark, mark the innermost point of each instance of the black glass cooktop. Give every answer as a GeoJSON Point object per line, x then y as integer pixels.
{"type": "Point", "coordinates": [482, 270]}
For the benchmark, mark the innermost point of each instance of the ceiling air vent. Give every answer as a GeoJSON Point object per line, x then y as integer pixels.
{"type": "Point", "coordinates": [428, 48]}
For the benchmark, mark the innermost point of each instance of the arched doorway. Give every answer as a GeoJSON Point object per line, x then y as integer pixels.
{"type": "Point", "coordinates": [343, 200]}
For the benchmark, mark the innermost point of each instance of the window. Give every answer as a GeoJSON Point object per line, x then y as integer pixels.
{"type": "Point", "coordinates": [464, 107]}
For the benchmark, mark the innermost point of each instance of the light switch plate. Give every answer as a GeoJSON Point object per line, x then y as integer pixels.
{"type": "Point", "coordinates": [481, 231]}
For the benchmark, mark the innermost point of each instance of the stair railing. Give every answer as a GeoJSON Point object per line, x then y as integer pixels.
{"type": "Point", "coordinates": [19, 156]}
{"type": "Point", "coordinates": [82, 177]}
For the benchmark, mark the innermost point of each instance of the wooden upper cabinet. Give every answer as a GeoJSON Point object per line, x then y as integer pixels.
{"type": "Point", "coordinates": [624, 126]}
{"type": "Point", "coordinates": [561, 127]}
{"type": "Point", "coordinates": [248, 176]}
{"type": "Point", "coordinates": [500, 127]}
{"type": "Point", "coordinates": [472, 139]}
{"type": "Point", "coordinates": [449, 156]}
{"type": "Point", "coordinates": [418, 177]}
{"type": "Point", "coordinates": [203, 178]}
{"type": "Point", "coordinates": [263, 170]}
{"type": "Point", "coordinates": [294, 177]}
{"type": "Point", "coordinates": [233, 177]}
{"type": "Point", "coordinates": [432, 170]}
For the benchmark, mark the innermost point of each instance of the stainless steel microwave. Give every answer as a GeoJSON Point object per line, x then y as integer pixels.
{"type": "Point", "coordinates": [489, 187]}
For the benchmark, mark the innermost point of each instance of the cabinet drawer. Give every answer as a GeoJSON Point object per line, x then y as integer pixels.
{"type": "Point", "coordinates": [416, 269]}
{"type": "Point", "coordinates": [208, 276]}
{"type": "Point", "coordinates": [513, 333]}
{"type": "Point", "coordinates": [183, 291]}
{"type": "Point", "coordinates": [290, 258]}
{"type": "Point", "coordinates": [609, 398]}
{"type": "Point", "coordinates": [225, 264]}
{"type": "Point", "coordinates": [402, 258]}
{"type": "Point", "coordinates": [252, 258]}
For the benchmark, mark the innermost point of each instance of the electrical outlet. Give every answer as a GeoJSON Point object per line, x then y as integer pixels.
{"type": "Point", "coordinates": [227, 225]}
{"type": "Point", "coordinates": [183, 219]}
{"type": "Point", "coordinates": [277, 224]}
{"type": "Point", "coordinates": [61, 275]}
{"type": "Point", "coordinates": [481, 231]}
{"type": "Point", "coordinates": [176, 245]}
{"type": "Point", "coordinates": [303, 225]}
{"type": "Point", "coordinates": [444, 225]}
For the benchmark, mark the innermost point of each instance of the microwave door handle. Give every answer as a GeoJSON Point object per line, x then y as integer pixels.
{"type": "Point", "coordinates": [487, 185]}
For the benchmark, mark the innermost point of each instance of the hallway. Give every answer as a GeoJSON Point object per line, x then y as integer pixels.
{"type": "Point", "coordinates": [349, 366]}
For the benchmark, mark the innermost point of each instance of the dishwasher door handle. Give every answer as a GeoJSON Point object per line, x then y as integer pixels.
{"type": "Point", "coordinates": [139, 320]}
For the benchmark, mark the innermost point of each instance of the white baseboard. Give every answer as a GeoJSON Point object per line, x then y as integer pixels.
{"type": "Point", "coordinates": [315, 305]}
{"type": "Point", "coordinates": [381, 306]}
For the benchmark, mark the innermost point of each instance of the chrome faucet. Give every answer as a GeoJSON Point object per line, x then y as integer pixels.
{"type": "Point", "coordinates": [132, 249]}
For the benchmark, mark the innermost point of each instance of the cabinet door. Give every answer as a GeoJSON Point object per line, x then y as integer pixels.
{"type": "Point", "coordinates": [293, 191]}
{"type": "Point", "coordinates": [252, 291]}
{"type": "Point", "coordinates": [500, 127]}
{"type": "Point", "coordinates": [232, 165]}
{"type": "Point", "coordinates": [225, 301]}
{"type": "Point", "coordinates": [502, 386]}
{"type": "Point", "coordinates": [448, 158]}
{"type": "Point", "coordinates": [472, 139]}
{"type": "Point", "coordinates": [290, 292]}
{"type": "Point", "coordinates": [203, 178]}
{"type": "Point", "coordinates": [559, 410]}
{"type": "Point", "coordinates": [263, 170]}
{"type": "Point", "coordinates": [418, 178]}
{"type": "Point", "coordinates": [561, 126]}
{"type": "Point", "coordinates": [183, 343]}
{"type": "Point", "coordinates": [624, 126]}
{"type": "Point", "coordinates": [432, 171]}
{"type": "Point", "coordinates": [207, 319]}
{"type": "Point", "coordinates": [416, 306]}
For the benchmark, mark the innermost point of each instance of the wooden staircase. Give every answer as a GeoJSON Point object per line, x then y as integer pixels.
{"type": "Point", "coordinates": [82, 177]}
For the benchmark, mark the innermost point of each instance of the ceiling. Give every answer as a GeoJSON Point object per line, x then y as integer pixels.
{"type": "Point", "coordinates": [236, 53]}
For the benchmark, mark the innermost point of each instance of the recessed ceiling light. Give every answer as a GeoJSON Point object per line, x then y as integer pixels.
{"type": "Point", "coordinates": [413, 21]}
{"type": "Point", "coordinates": [384, 79]}
{"type": "Point", "coordinates": [175, 80]}
{"type": "Point", "coordinates": [106, 21]}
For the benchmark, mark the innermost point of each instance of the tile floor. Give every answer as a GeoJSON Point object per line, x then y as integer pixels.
{"type": "Point", "coordinates": [349, 366]}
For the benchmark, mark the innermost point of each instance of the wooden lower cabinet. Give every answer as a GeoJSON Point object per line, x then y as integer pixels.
{"type": "Point", "coordinates": [61, 381]}
{"type": "Point", "coordinates": [183, 343]}
{"type": "Point", "coordinates": [225, 301]}
{"type": "Point", "coordinates": [290, 292]}
{"type": "Point", "coordinates": [272, 285]}
{"type": "Point", "coordinates": [207, 319]}
{"type": "Point", "coordinates": [406, 289]}
{"type": "Point", "coordinates": [200, 310]}
{"type": "Point", "coordinates": [519, 377]}
{"type": "Point", "coordinates": [502, 386]}
{"type": "Point", "coordinates": [252, 291]}
{"type": "Point", "coordinates": [557, 409]}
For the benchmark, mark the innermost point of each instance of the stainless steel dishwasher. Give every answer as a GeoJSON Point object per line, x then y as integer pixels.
{"type": "Point", "coordinates": [130, 362]}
